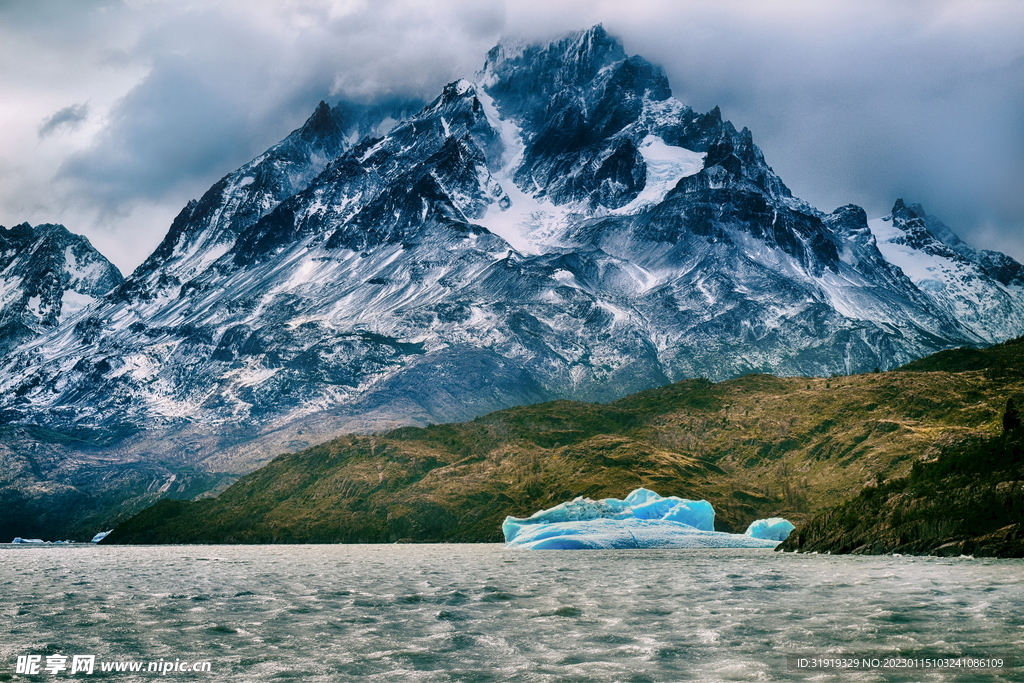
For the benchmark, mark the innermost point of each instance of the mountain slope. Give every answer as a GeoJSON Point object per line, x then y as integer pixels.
{"type": "Point", "coordinates": [755, 447]}
{"type": "Point", "coordinates": [205, 229]}
{"type": "Point", "coordinates": [982, 289]}
{"type": "Point", "coordinates": [654, 243]}
{"type": "Point", "coordinates": [70, 486]}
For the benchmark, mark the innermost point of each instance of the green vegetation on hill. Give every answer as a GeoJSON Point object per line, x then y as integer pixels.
{"type": "Point", "coordinates": [756, 446]}
{"type": "Point", "coordinates": [968, 501]}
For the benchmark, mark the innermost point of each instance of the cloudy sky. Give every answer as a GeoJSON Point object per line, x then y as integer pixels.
{"type": "Point", "coordinates": [113, 114]}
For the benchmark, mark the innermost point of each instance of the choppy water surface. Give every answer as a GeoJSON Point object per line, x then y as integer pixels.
{"type": "Point", "coordinates": [484, 613]}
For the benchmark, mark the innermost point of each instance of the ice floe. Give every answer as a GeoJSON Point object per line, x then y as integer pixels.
{"type": "Point", "coordinates": [643, 519]}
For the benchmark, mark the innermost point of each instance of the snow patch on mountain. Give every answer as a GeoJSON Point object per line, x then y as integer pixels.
{"type": "Point", "coordinates": [928, 271]}
{"type": "Point", "coordinates": [666, 166]}
{"type": "Point", "coordinates": [529, 225]}
{"type": "Point", "coordinates": [72, 303]}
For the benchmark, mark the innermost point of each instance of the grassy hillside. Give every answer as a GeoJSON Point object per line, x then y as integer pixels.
{"type": "Point", "coordinates": [757, 446]}
{"type": "Point", "coordinates": [968, 501]}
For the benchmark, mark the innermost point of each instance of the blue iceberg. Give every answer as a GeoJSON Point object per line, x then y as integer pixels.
{"type": "Point", "coordinates": [772, 529]}
{"type": "Point", "coordinates": [100, 536]}
{"type": "Point", "coordinates": [643, 519]}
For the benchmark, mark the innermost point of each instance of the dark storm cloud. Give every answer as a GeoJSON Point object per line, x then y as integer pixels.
{"type": "Point", "coordinates": [223, 85]}
{"type": "Point", "coordinates": [68, 118]}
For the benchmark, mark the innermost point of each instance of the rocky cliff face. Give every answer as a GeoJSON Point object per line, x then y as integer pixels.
{"type": "Point", "coordinates": [560, 226]}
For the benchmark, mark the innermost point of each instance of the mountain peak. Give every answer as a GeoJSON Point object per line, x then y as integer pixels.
{"type": "Point", "coordinates": [573, 60]}
{"type": "Point", "coordinates": [49, 273]}
{"type": "Point", "coordinates": [322, 124]}
{"type": "Point", "coordinates": [901, 210]}
{"type": "Point", "coordinates": [321, 115]}
{"type": "Point", "coordinates": [914, 218]}
{"type": "Point", "coordinates": [593, 45]}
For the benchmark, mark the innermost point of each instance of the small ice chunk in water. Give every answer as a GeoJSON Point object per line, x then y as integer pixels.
{"type": "Point", "coordinates": [772, 529]}
{"type": "Point", "coordinates": [644, 519]}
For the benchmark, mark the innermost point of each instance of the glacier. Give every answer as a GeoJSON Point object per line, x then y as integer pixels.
{"type": "Point", "coordinates": [643, 519]}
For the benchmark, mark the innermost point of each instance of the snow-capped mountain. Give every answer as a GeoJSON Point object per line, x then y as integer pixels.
{"type": "Point", "coordinates": [559, 226]}
{"type": "Point", "coordinates": [982, 289]}
{"type": "Point", "coordinates": [46, 275]}
{"type": "Point", "coordinates": [206, 229]}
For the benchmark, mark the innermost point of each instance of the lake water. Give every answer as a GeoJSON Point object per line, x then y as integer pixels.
{"type": "Point", "coordinates": [484, 613]}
